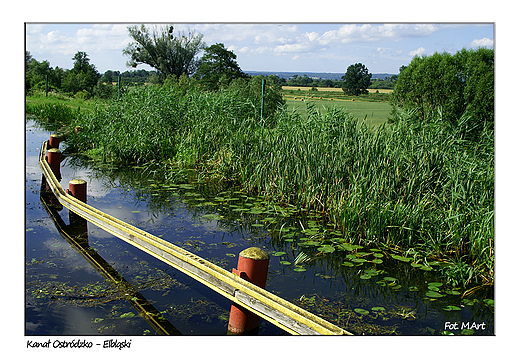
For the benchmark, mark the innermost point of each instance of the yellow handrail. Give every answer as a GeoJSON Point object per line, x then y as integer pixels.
{"type": "Point", "coordinates": [272, 308]}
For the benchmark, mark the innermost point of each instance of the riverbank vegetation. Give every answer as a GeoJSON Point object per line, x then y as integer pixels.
{"type": "Point", "coordinates": [422, 184]}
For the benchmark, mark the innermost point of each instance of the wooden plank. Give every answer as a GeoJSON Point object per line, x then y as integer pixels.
{"type": "Point", "coordinates": [276, 315]}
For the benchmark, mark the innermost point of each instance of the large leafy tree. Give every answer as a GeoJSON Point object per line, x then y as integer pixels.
{"type": "Point", "coordinates": [162, 50]}
{"type": "Point", "coordinates": [453, 84]}
{"type": "Point", "coordinates": [356, 80]}
{"type": "Point", "coordinates": [83, 76]}
{"type": "Point", "coordinates": [218, 67]}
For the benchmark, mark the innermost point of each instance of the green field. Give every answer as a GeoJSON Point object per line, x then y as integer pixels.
{"type": "Point", "coordinates": [376, 113]}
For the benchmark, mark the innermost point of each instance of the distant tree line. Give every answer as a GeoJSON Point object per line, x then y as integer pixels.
{"type": "Point", "coordinates": [306, 81]}
{"type": "Point", "coordinates": [83, 80]}
{"type": "Point", "coordinates": [171, 56]}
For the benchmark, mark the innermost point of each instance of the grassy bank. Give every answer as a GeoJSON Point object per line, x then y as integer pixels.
{"type": "Point", "coordinates": [421, 188]}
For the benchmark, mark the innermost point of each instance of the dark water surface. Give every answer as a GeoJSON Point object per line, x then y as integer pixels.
{"type": "Point", "coordinates": [81, 280]}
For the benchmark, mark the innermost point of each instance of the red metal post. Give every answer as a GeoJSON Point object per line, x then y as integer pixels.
{"type": "Point", "coordinates": [54, 141]}
{"type": "Point", "coordinates": [78, 189]}
{"type": "Point", "coordinates": [253, 264]}
{"type": "Point", "coordinates": [54, 159]}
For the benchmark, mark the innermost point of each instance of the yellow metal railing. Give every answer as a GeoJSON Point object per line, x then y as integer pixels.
{"type": "Point", "coordinates": [278, 311]}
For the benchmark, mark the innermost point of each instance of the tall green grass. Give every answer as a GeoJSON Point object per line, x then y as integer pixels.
{"type": "Point", "coordinates": [408, 185]}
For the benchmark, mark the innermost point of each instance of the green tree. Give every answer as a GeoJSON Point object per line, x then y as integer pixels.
{"type": "Point", "coordinates": [35, 73]}
{"type": "Point", "coordinates": [218, 67]}
{"type": "Point", "coordinates": [159, 48]}
{"type": "Point", "coordinates": [453, 84]}
{"type": "Point", "coordinates": [356, 80]}
{"type": "Point", "coordinates": [82, 77]}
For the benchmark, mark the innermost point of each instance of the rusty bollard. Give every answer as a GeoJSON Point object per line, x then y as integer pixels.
{"type": "Point", "coordinates": [78, 189]}
{"type": "Point", "coordinates": [253, 264]}
{"type": "Point", "coordinates": [54, 141]}
{"type": "Point", "coordinates": [54, 159]}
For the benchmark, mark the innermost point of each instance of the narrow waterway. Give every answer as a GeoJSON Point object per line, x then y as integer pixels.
{"type": "Point", "coordinates": [71, 264]}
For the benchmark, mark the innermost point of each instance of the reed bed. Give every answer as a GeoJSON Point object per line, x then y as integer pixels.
{"type": "Point", "coordinates": [424, 188]}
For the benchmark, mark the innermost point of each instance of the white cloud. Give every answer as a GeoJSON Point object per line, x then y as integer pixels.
{"type": "Point", "coordinates": [421, 50]}
{"type": "Point", "coordinates": [352, 33]}
{"type": "Point", "coordinates": [298, 47]}
{"type": "Point", "coordinates": [485, 42]}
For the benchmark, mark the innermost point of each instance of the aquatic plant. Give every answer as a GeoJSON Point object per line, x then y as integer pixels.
{"type": "Point", "coordinates": [412, 184]}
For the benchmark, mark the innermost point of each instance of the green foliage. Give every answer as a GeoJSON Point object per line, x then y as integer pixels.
{"type": "Point", "coordinates": [159, 48]}
{"type": "Point", "coordinates": [453, 84]}
{"type": "Point", "coordinates": [413, 184]}
{"type": "Point", "coordinates": [56, 113]}
{"type": "Point", "coordinates": [250, 90]}
{"type": "Point", "coordinates": [82, 77]}
{"type": "Point", "coordinates": [218, 67]}
{"type": "Point", "coordinates": [356, 80]}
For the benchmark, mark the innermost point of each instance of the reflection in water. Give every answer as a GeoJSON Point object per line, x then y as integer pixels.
{"type": "Point", "coordinates": [75, 233]}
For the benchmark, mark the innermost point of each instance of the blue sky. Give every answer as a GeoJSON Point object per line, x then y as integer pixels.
{"type": "Point", "coordinates": [309, 47]}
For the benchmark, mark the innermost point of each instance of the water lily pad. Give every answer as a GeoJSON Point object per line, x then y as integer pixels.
{"type": "Point", "coordinates": [348, 247]}
{"type": "Point", "coordinates": [413, 289]}
{"type": "Point", "coordinates": [433, 294]}
{"type": "Point", "coordinates": [358, 260]}
{"type": "Point", "coordinates": [365, 276]}
{"type": "Point", "coordinates": [450, 308]}
{"type": "Point", "coordinates": [127, 315]}
{"type": "Point", "coordinates": [400, 258]}
{"type": "Point", "coordinates": [377, 261]}
{"type": "Point", "coordinates": [327, 248]}
{"type": "Point", "coordinates": [453, 292]}
{"type": "Point", "coordinates": [378, 309]}
{"type": "Point", "coordinates": [378, 255]}
{"type": "Point", "coordinates": [371, 272]}
{"type": "Point", "coordinates": [278, 254]}
{"type": "Point", "coordinates": [469, 302]}
{"type": "Point", "coordinates": [347, 264]}
{"type": "Point", "coordinates": [390, 279]}
{"type": "Point", "coordinates": [361, 311]}
{"type": "Point", "coordinates": [435, 289]}
{"type": "Point", "coordinates": [434, 284]}
{"type": "Point", "coordinates": [299, 269]}
{"type": "Point", "coordinates": [489, 302]}
{"type": "Point", "coordinates": [285, 263]}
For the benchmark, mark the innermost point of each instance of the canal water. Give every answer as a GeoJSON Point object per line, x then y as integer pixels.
{"type": "Point", "coordinates": [81, 280]}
